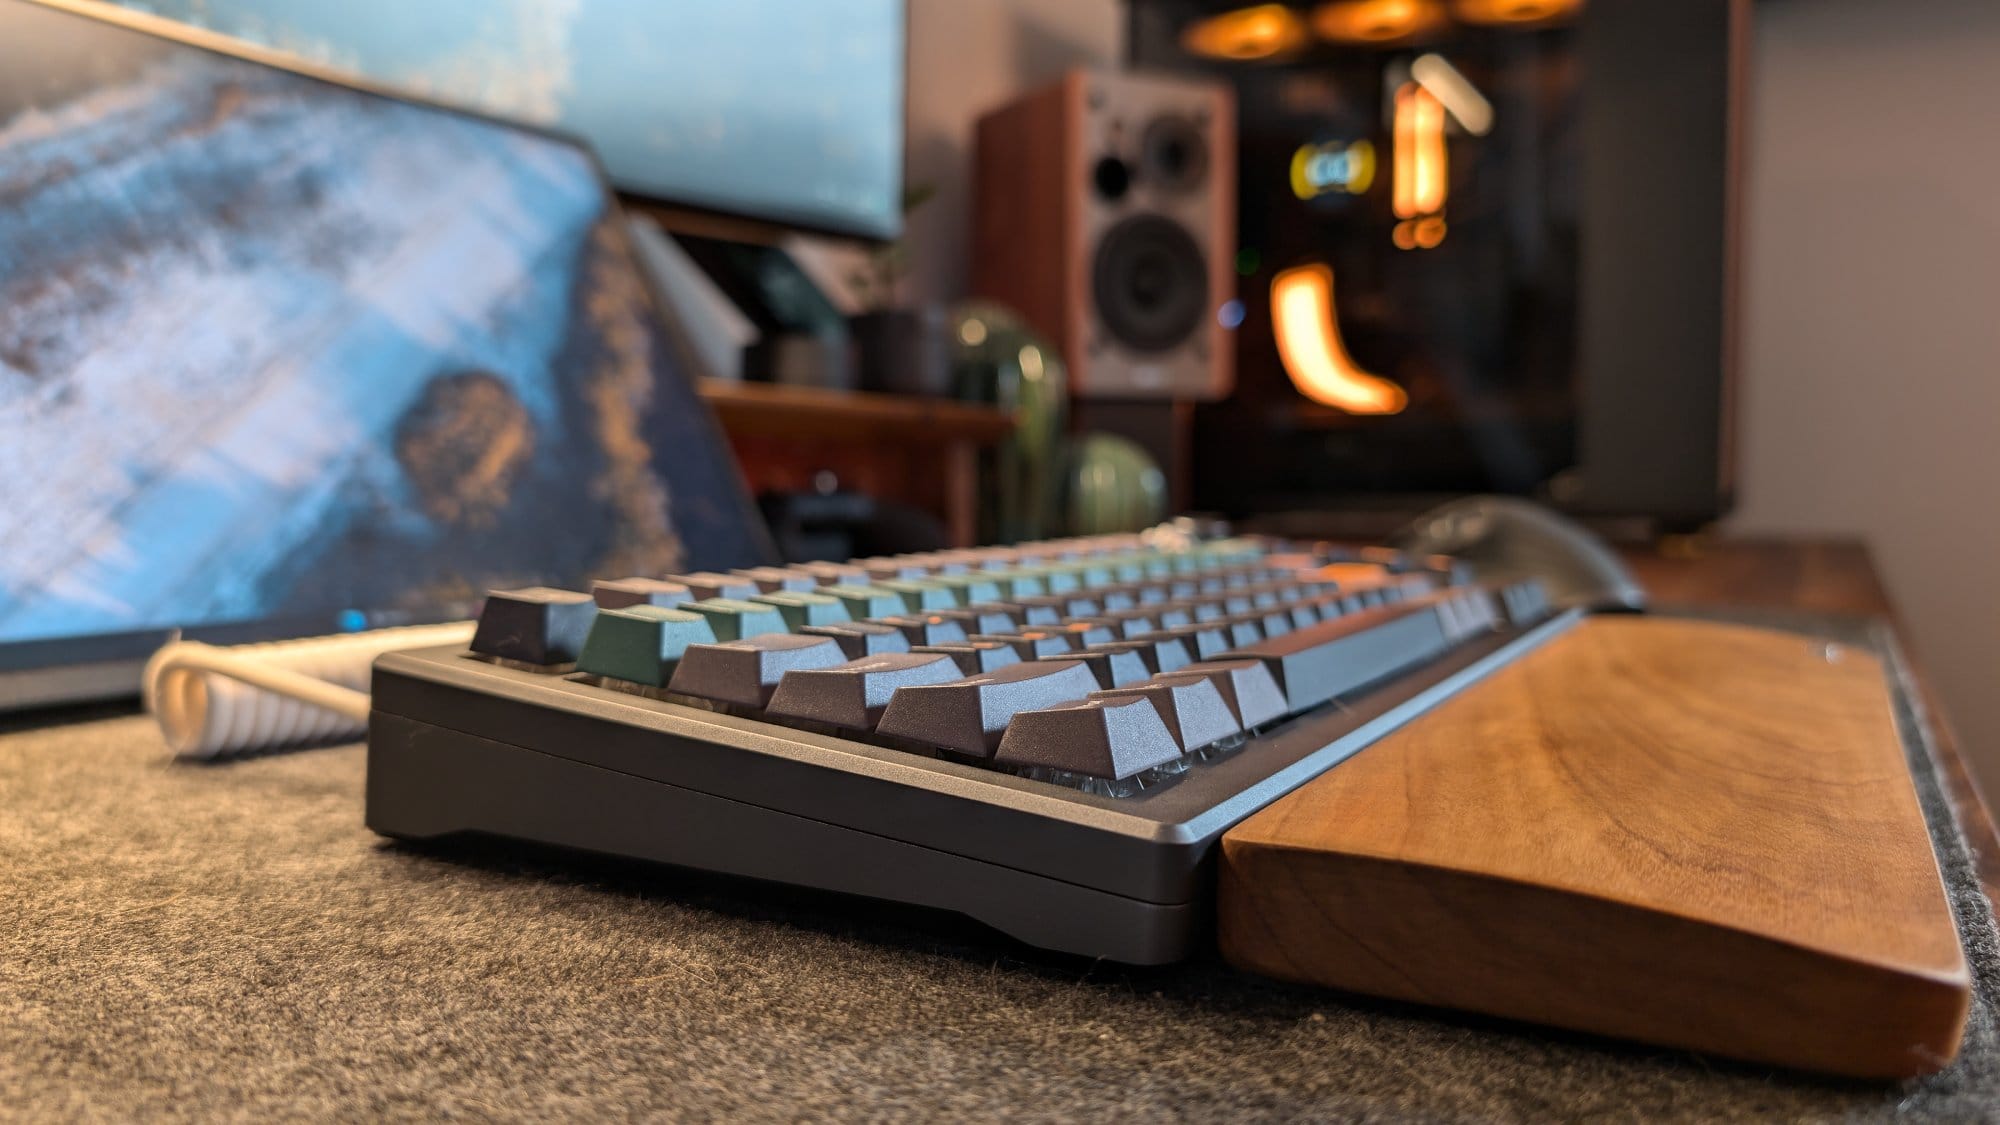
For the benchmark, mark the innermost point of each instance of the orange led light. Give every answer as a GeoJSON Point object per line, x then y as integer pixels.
{"type": "Point", "coordinates": [1492, 12]}
{"type": "Point", "coordinates": [1420, 170]}
{"type": "Point", "coordinates": [1378, 21]}
{"type": "Point", "coordinates": [1246, 34]}
{"type": "Point", "coordinates": [1314, 355]}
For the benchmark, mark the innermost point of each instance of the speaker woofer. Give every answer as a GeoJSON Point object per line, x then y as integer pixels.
{"type": "Point", "coordinates": [1150, 282]}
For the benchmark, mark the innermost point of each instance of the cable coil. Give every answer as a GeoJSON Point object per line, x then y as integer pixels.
{"type": "Point", "coordinates": [213, 700]}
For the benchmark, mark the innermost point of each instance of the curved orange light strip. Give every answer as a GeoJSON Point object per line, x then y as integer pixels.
{"type": "Point", "coordinates": [1314, 355]}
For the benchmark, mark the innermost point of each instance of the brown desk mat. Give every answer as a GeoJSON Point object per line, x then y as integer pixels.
{"type": "Point", "coordinates": [1689, 833]}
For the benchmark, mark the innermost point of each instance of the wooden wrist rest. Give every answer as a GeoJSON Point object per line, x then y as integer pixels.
{"type": "Point", "coordinates": [1692, 834]}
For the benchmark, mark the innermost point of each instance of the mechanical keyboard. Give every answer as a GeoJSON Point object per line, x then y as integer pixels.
{"type": "Point", "coordinates": [1049, 738]}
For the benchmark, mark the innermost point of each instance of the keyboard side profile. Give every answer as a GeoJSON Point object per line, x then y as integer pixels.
{"type": "Point", "coordinates": [985, 824]}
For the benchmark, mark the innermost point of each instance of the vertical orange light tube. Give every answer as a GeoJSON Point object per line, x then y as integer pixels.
{"type": "Point", "coordinates": [1421, 173]}
{"type": "Point", "coordinates": [1314, 355]}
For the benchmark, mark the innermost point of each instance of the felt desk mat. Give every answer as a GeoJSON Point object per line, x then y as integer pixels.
{"type": "Point", "coordinates": [228, 940]}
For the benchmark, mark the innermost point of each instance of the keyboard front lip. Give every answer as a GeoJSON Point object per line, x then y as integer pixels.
{"type": "Point", "coordinates": [1149, 847]}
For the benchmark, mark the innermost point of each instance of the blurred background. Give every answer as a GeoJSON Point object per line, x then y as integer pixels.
{"type": "Point", "coordinates": [1687, 269]}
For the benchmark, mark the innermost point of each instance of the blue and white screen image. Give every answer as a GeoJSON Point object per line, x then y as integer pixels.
{"type": "Point", "coordinates": [789, 110]}
{"type": "Point", "coordinates": [270, 347]}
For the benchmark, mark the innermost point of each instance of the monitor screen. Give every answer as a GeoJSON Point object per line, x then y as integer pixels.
{"type": "Point", "coordinates": [789, 111]}
{"type": "Point", "coordinates": [273, 349]}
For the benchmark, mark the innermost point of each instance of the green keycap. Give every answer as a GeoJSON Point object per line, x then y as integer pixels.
{"type": "Point", "coordinates": [922, 595]}
{"type": "Point", "coordinates": [803, 609]}
{"type": "Point", "coordinates": [973, 589]}
{"type": "Point", "coordinates": [1063, 578]}
{"type": "Point", "coordinates": [1093, 573]}
{"type": "Point", "coordinates": [1018, 582]}
{"type": "Point", "coordinates": [864, 602]}
{"type": "Point", "coordinates": [641, 643]}
{"type": "Point", "coordinates": [735, 620]}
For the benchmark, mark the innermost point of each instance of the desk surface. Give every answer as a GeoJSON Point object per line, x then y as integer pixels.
{"type": "Point", "coordinates": [188, 940]}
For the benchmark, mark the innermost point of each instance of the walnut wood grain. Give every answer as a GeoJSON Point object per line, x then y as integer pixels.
{"type": "Point", "coordinates": [1692, 834]}
{"type": "Point", "coordinates": [1816, 576]}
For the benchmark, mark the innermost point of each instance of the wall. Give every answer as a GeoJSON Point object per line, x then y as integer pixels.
{"type": "Point", "coordinates": [1871, 403]}
{"type": "Point", "coordinates": [966, 57]}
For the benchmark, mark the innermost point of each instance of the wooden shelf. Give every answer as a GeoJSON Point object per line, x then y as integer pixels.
{"type": "Point", "coordinates": [923, 451]}
{"type": "Point", "coordinates": [771, 410]}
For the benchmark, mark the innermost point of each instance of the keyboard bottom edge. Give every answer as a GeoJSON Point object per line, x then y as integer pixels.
{"type": "Point", "coordinates": [426, 781]}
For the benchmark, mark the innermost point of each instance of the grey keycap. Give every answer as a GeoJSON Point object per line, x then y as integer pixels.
{"type": "Point", "coordinates": [984, 617]}
{"type": "Point", "coordinates": [1062, 605]}
{"type": "Point", "coordinates": [1191, 706]}
{"type": "Point", "coordinates": [618, 593]}
{"type": "Point", "coordinates": [1109, 738]}
{"type": "Point", "coordinates": [879, 569]}
{"type": "Point", "coordinates": [834, 574]}
{"type": "Point", "coordinates": [974, 657]}
{"type": "Point", "coordinates": [925, 629]}
{"type": "Point", "coordinates": [861, 638]}
{"type": "Point", "coordinates": [853, 694]}
{"type": "Point", "coordinates": [536, 625]}
{"type": "Point", "coordinates": [1161, 653]}
{"type": "Point", "coordinates": [1112, 667]}
{"type": "Point", "coordinates": [1526, 602]}
{"type": "Point", "coordinates": [1030, 644]}
{"type": "Point", "coordinates": [970, 716]}
{"type": "Point", "coordinates": [1243, 629]}
{"type": "Point", "coordinates": [1204, 639]}
{"type": "Point", "coordinates": [1083, 633]}
{"type": "Point", "coordinates": [746, 672]}
{"type": "Point", "coordinates": [1314, 665]}
{"type": "Point", "coordinates": [706, 584]}
{"type": "Point", "coordinates": [774, 579]}
{"type": "Point", "coordinates": [1129, 622]}
{"type": "Point", "coordinates": [1246, 686]}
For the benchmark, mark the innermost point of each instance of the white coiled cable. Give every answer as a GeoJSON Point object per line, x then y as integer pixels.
{"type": "Point", "coordinates": [213, 700]}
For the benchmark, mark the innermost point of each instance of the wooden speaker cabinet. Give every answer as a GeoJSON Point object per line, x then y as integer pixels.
{"type": "Point", "coordinates": [1105, 213]}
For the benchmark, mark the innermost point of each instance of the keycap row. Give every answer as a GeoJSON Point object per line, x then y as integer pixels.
{"type": "Point", "coordinates": [1106, 705]}
{"type": "Point", "coordinates": [546, 628]}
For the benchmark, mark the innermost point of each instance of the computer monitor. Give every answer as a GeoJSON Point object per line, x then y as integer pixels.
{"type": "Point", "coordinates": [786, 111]}
{"type": "Point", "coordinates": [282, 357]}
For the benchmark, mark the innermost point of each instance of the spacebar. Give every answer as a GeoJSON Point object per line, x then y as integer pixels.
{"type": "Point", "coordinates": [1317, 663]}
